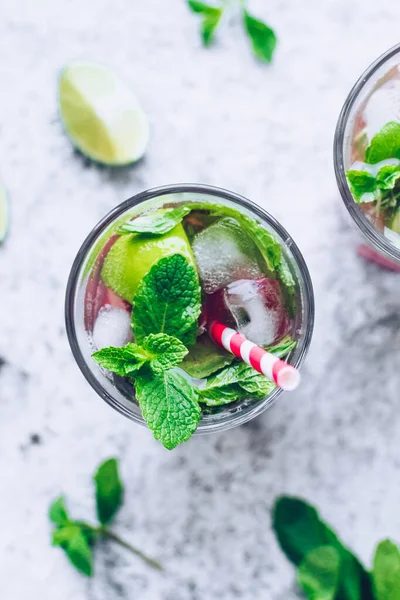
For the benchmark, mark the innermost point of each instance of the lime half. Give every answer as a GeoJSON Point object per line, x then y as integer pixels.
{"type": "Point", "coordinates": [132, 256]}
{"type": "Point", "coordinates": [3, 213]}
{"type": "Point", "coordinates": [101, 115]}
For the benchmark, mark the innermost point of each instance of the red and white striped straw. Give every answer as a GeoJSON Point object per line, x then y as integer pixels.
{"type": "Point", "coordinates": [284, 375]}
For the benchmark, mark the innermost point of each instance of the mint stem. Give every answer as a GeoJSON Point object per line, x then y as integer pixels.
{"type": "Point", "coordinates": [113, 536]}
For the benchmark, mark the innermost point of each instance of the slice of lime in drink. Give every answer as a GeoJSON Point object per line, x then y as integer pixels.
{"type": "Point", "coordinates": [3, 214]}
{"type": "Point", "coordinates": [132, 256]}
{"type": "Point", "coordinates": [101, 115]}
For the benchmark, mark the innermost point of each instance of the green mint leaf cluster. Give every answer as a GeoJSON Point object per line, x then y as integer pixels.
{"type": "Point", "coordinates": [262, 38]}
{"type": "Point", "coordinates": [165, 316]}
{"type": "Point", "coordinates": [156, 223]}
{"type": "Point", "coordinates": [384, 188]}
{"type": "Point", "coordinates": [326, 568]}
{"type": "Point", "coordinates": [166, 310]}
{"type": "Point", "coordinates": [77, 538]}
{"type": "Point", "coordinates": [168, 301]}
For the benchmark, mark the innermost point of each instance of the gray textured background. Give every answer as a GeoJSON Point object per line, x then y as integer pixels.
{"type": "Point", "coordinates": [217, 117]}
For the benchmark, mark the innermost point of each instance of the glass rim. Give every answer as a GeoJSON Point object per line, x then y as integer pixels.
{"type": "Point", "coordinates": [237, 419]}
{"type": "Point", "coordinates": [377, 239]}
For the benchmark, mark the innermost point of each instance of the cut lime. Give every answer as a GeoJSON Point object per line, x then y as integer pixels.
{"type": "Point", "coordinates": [101, 115]}
{"type": "Point", "coordinates": [3, 214]}
{"type": "Point", "coordinates": [132, 256]}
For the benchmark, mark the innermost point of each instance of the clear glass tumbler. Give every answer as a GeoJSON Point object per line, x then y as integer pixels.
{"type": "Point", "coordinates": [104, 383]}
{"type": "Point", "coordinates": [348, 138]}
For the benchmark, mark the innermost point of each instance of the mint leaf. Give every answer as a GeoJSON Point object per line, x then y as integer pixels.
{"type": "Point", "coordinates": [283, 347]}
{"type": "Point", "coordinates": [319, 572]}
{"type": "Point", "coordinates": [235, 382]}
{"type": "Point", "coordinates": [209, 25]}
{"type": "Point", "coordinates": [205, 358]}
{"type": "Point", "coordinates": [62, 535]}
{"type": "Point", "coordinates": [72, 540]}
{"type": "Point", "coordinates": [360, 183]}
{"type": "Point", "coordinates": [202, 7]}
{"type": "Point", "coordinates": [388, 177]}
{"type": "Point", "coordinates": [386, 571]}
{"type": "Point", "coordinates": [58, 513]}
{"type": "Point", "coordinates": [80, 554]}
{"type": "Point", "coordinates": [165, 351]}
{"type": "Point", "coordinates": [122, 361]}
{"type": "Point", "coordinates": [262, 37]}
{"type": "Point", "coordinates": [385, 144]}
{"type": "Point", "coordinates": [211, 18]}
{"type": "Point", "coordinates": [109, 490]}
{"type": "Point", "coordinates": [299, 530]}
{"type": "Point", "coordinates": [266, 243]}
{"type": "Point", "coordinates": [90, 533]}
{"type": "Point", "coordinates": [170, 406]}
{"type": "Point", "coordinates": [168, 301]}
{"type": "Point", "coordinates": [160, 350]}
{"type": "Point", "coordinates": [158, 222]}
{"type": "Point", "coordinates": [218, 396]}
{"type": "Point", "coordinates": [288, 286]}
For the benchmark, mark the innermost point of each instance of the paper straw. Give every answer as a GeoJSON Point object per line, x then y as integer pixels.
{"type": "Point", "coordinates": [284, 375]}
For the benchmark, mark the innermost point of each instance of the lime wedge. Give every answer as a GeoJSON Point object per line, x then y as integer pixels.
{"type": "Point", "coordinates": [101, 115]}
{"type": "Point", "coordinates": [3, 214]}
{"type": "Point", "coordinates": [132, 256]}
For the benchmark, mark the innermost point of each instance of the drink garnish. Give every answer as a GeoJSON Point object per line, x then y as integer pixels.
{"type": "Point", "coordinates": [157, 222]}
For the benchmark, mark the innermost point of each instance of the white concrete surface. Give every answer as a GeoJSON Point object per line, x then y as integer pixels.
{"type": "Point", "coordinates": [217, 117]}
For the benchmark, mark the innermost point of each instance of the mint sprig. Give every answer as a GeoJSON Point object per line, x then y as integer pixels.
{"type": "Point", "coordinates": [78, 538]}
{"type": "Point", "coordinates": [384, 188]}
{"type": "Point", "coordinates": [262, 37]}
{"type": "Point", "coordinates": [300, 531]}
{"type": "Point", "coordinates": [168, 301]}
{"type": "Point", "coordinates": [157, 222]}
{"type": "Point", "coordinates": [165, 315]}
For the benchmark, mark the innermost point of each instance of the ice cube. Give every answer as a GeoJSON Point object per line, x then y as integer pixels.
{"type": "Point", "coordinates": [224, 253]}
{"type": "Point", "coordinates": [382, 107]}
{"type": "Point", "coordinates": [112, 327]}
{"type": "Point", "coordinates": [256, 308]}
